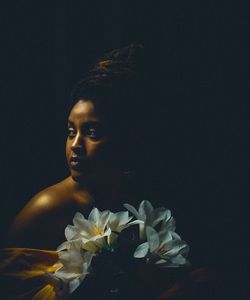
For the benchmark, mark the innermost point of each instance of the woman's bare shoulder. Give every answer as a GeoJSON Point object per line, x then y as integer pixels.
{"type": "Point", "coordinates": [48, 199]}
{"type": "Point", "coordinates": [50, 210]}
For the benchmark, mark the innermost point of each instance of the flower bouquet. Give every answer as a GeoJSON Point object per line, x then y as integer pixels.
{"type": "Point", "coordinates": [103, 251]}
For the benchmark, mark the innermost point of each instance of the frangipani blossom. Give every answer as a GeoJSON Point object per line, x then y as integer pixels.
{"type": "Point", "coordinates": [118, 222]}
{"type": "Point", "coordinates": [75, 262]}
{"type": "Point", "coordinates": [149, 215]}
{"type": "Point", "coordinates": [92, 231]}
{"type": "Point", "coordinates": [98, 231]}
{"type": "Point", "coordinates": [165, 248]}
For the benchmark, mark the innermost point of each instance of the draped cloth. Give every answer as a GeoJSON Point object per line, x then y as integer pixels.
{"type": "Point", "coordinates": [23, 273]}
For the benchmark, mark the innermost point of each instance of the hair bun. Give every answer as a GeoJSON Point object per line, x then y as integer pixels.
{"type": "Point", "coordinates": [116, 75]}
{"type": "Point", "coordinates": [128, 54]}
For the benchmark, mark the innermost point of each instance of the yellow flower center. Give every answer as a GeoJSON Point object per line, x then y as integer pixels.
{"type": "Point", "coordinates": [97, 231]}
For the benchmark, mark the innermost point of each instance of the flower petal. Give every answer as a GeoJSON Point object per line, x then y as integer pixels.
{"type": "Point", "coordinates": [112, 238]}
{"type": "Point", "coordinates": [90, 246]}
{"type": "Point", "coordinates": [74, 284]}
{"type": "Point", "coordinates": [78, 217]}
{"type": "Point", "coordinates": [132, 210]}
{"type": "Point", "coordinates": [88, 258]}
{"type": "Point", "coordinates": [105, 215]}
{"type": "Point", "coordinates": [130, 224]}
{"type": "Point", "coordinates": [169, 225]}
{"type": "Point", "coordinates": [86, 229]}
{"type": "Point", "coordinates": [120, 218]}
{"type": "Point", "coordinates": [152, 238]}
{"type": "Point", "coordinates": [161, 213]}
{"type": "Point", "coordinates": [146, 210]}
{"type": "Point", "coordinates": [179, 260]}
{"type": "Point", "coordinates": [63, 246]}
{"type": "Point", "coordinates": [163, 263]}
{"type": "Point", "coordinates": [164, 237]}
{"type": "Point", "coordinates": [173, 247]}
{"type": "Point", "coordinates": [94, 215]}
{"type": "Point", "coordinates": [175, 236]}
{"type": "Point", "coordinates": [141, 250]}
{"type": "Point", "coordinates": [184, 251]}
{"type": "Point", "coordinates": [70, 232]}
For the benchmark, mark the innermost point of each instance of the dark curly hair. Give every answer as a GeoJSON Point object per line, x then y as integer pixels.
{"type": "Point", "coordinates": [115, 78]}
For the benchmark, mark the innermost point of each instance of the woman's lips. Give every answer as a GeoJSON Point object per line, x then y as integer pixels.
{"type": "Point", "coordinates": [76, 163]}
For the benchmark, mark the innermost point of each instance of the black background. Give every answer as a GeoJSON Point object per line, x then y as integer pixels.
{"type": "Point", "coordinates": [190, 160]}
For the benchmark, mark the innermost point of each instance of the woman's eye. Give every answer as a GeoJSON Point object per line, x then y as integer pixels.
{"type": "Point", "coordinates": [94, 133]}
{"type": "Point", "coordinates": [71, 133]}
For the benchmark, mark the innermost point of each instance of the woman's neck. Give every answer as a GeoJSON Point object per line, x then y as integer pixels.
{"type": "Point", "coordinates": [104, 194]}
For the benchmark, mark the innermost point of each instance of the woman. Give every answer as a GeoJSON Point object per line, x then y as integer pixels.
{"type": "Point", "coordinates": [101, 144]}
{"type": "Point", "coordinates": [97, 151]}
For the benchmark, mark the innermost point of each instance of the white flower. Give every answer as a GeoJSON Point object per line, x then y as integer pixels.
{"type": "Point", "coordinates": [98, 231]}
{"type": "Point", "coordinates": [149, 215]}
{"type": "Point", "coordinates": [75, 264]}
{"type": "Point", "coordinates": [118, 222]}
{"type": "Point", "coordinates": [92, 232]}
{"type": "Point", "coordinates": [165, 248]}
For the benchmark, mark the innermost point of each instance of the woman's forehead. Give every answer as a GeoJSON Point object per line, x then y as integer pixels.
{"type": "Point", "coordinates": [85, 110]}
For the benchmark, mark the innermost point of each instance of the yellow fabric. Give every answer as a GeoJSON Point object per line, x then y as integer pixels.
{"type": "Point", "coordinates": [46, 292]}
{"type": "Point", "coordinates": [22, 273]}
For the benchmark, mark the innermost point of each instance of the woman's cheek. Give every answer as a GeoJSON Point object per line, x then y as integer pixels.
{"type": "Point", "coordinates": [100, 150]}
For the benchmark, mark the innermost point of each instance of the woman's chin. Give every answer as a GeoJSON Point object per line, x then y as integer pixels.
{"type": "Point", "coordinates": [79, 176]}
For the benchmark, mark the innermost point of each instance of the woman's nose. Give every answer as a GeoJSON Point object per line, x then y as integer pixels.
{"type": "Point", "coordinates": [78, 145]}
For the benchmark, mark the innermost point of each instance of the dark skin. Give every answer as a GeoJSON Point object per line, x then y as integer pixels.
{"type": "Point", "coordinates": [95, 180]}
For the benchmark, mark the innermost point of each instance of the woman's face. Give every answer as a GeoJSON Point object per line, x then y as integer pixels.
{"type": "Point", "coordinates": [86, 147]}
